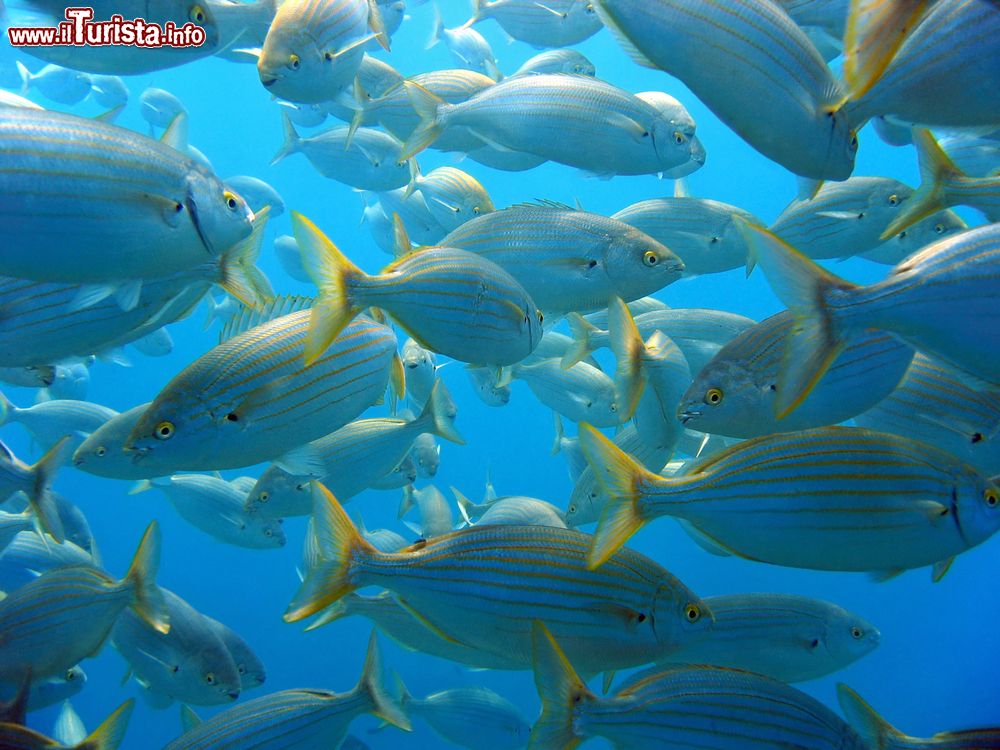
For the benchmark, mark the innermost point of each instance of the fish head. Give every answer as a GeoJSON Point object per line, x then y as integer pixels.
{"type": "Point", "coordinates": [484, 382]}
{"type": "Point", "coordinates": [727, 398]}
{"type": "Point", "coordinates": [935, 227]}
{"type": "Point", "coordinates": [206, 676]}
{"type": "Point", "coordinates": [585, 502]}
{"type": "Point", "coordinates": [977, 505]}
{"type": "Point", "coordinates": [276, 491]}
{"type": "Point", "coordinates": [847, 637]}
{"type": "Point", "coordinates": [220, 215]}
{"type": "Point", "coordinates": [842, 145]}
{"type": "Point", "coordinates": [57, 688]}
{"type": "Point", "coordinates": [635, 260]}
{"type": "Point", "coordinates": [248, 666]}
{"type": "Point", "coordinates": [415, 356]}
{"type": "Point", "coordinates": [292, 66]}
{"type": "Point", "coordinates": [426, 454]}
{"type": "Point", "coordinates": [679, 615]}
{"type": "Point", "coordinates": [265, 533]}
{"type": "Point", "coordinates": [175, 427]}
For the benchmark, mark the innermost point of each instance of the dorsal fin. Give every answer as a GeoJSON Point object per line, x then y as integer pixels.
{"type": "Point", "coordinates": [250, 317]}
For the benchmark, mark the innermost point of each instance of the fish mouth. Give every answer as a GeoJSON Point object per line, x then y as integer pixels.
{"type": "Point", "coordinates": [268, 82]}
{"type": "Point", "coordinates": [687, 416]}
{"type": "Point", "coordinates": [233, 694]}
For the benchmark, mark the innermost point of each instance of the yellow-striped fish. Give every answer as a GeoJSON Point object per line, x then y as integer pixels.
{"type": "Point", "coordinates": [253, 398]}
{"type": "Point", "coordinates": [483, 586]}
{"type": "Point", "coordinates": [450, 301]}
{"type": "Point", "coordinates": [833, 498]}
{"type": "Point", "coordinates": [453, 197]}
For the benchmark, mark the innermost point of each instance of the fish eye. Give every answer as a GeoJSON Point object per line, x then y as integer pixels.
{"type": "Point", "coordinates": [70, 675]}
{"type": "Point", "coordinates": [577, 68]}
{"type": "Point", "coordinates": [294, 62]}
{"type": "Point", "coordinates": [210, 678]}
{"type": "Point", "coordinates": [241, 669]}
{"type": "Point", "coordinates": [304, 486]}
{"type": "Point", "coordinates": [893, 200]}
{"type": "Point", "coordinates": [939, 228]}
{"type": "Point", "coordinates": [614, 407]}
{"type": "Point", "coordinates": [590, 9]}
{"type": "Point", "coordinates": [401, 163]}
{"type": "Point", "coordinates": [197, 14]}
{"type": "Point", "coordinates": [854, 142]}
{"type": "Point", "coordinates": [650, 258]}
{"type": "Point", "coordinates": [713, 396]}
{"type": "Point", "coordinates": [101, 450]}
{"type": "Point", "coordinates": [571, 509]}
{"type": "Point", "coordinates": [692, 612]}
{"type": "Point", "coordinates": [540, 316]}
{"type": "Point", "coordinates": [856, 632]}
{"type": "Point", "coordinates": [268, 532]}
{"type": "Point", "coordinates": [231, 199]}
{"type": "Point", "coordinates": [679, 138]}
{"type": "Point", "coordinates": [164, 431]}
{"type": "Point", "coordinates": [328, 56]}
{"type": "Point", "coordinates": [991, 497]}
{"type": "Point", "coordinates": [476, 210]}
{"type": "Point", "coordinates": [264, 497]}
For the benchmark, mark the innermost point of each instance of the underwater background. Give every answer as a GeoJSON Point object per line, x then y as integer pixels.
{"type": "Point", "coordinates": [938, 664]}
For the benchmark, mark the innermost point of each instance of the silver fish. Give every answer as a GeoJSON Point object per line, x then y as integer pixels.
{"type": "Point", "coordinates": [554, 23]}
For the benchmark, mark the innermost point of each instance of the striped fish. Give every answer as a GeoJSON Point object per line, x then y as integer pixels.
{"type": "Point", "coordinates": [581, 393]}
{"type": "Point", "coordinates": [367, 159]}
{"type": "Point", "coordinates": [881, 735]}
{"type": "Point", "coordinates": [897, 248]}
{"type": "Point", "coordinates": [552, 116]}
{"type": "Point", "coordinates": [297, 719]}
{"type": "Point", "coordinates": [65, 614]}
{"type": "Point", "coordinates": [843, 218]}
{"type": "Point", "coordinates": [108, 736]}
{"type": "Point", "coordinates": [472, 717]}
{"type": "Point", "coordinates": [975, 156]}
{"type": "Point", "coordinates": [314, 48]}
{"type": "Point", "coordinates": [700, 232]}
{"type": "Point", "coordinates": [941, 301]}
{"type": "Point", "coordinates": [467, 46]}
{"type": "Point", "coordinates": [790, 638]}
{"type": "Point", "coordinates": [678, 116]}
{"type": "Point", "coordinates": [103, 452]}
{"type": "Point", "coordinates": [90, 202]}
{"type": "Point", "coordinates": [450, 301]}
{"type": "Point", "coordinates": [29, 555]}
{"type": "Point", "coordinates": [833, 498]}
{"type": "Point", "coordinates": [253, 398]}
{"type": "Point", "coordinates": [945, 72]}
{"type": "Point", "coordinates": [567, 259]}
{"type": "Point", "coordinates": [942, 184]}
{"type": "Point", "coordinates": [711, 708]}
{"type": "Point", "coordinates": [50, 421]}
{"type": "Point", "coordinates": [934, 404]}
{"type": "Point", "coordinates": [483, 586]}
{"type": "Point", "coordinates": [766, 79]}
{"type": "Point", "coordinates": [453, 197]}
{"type": "Point", "coordinates": [12, 524]}
{"type": "Point", "coordinates": [557, 61]}
{"type": "Point", "coordinates": [554, 23]}
{"type": "Point", "coordinates": [737, 392]}
{"type": "Point", "coordinates": [512, 510]}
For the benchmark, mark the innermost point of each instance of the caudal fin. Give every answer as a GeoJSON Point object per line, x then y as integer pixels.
{"type": "Point", "coordinates": [581, 332]}
{"type": "Point", "coordinates": [815, 339]}
{"type": "Point", "coordinates": [561, 691]}
{"type": "Point", "coordinates": [238, 272]}
{"type": "Point", "coordinates": [619, 476]}
{"type": "Point", "coordinates": [111, 732]}
{"type": "Point", "coordinates": [435, 414]}
{"type": "Point", "coordinates": [291, 143]}
{"type": "Point", "coordinates": [429, 128]}
{"type": "Point", "coordinates": [628, 348]}
{"type": "Point", "coordinates": [875, 30]}
{"type": "Point", "coordinates": [371, 684]}
{"type": "Point", "coordinates": [340, 544]}
{"type": "Point", "coordinates": [332, 272]}
{"type": "Point", "coordinates": [41, 501]}
{"type": "Point", "coordinates": [148, 600]}
{"type": "Point", "coordinates": [877, 733]}
{"type": "Point", "coordinates": [936, 171]}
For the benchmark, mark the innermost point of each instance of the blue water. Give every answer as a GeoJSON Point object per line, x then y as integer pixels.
{"type": "Point", "coordinates": [936, 668]}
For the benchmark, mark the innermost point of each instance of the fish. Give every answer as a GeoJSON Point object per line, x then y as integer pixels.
{"type": "Point", "coordinates": [767, 81]}
{"type": "Point", "coordinates": [581, 393]}
{"type": "Point", "coordinates": [290, 258]}
{"type": "Point", "coordinates": [915, 302]}
{"type": "Point", "coordinates": [569, 260]}
{"type": "Point", "coordinates": [159, 343]}
{"type": "Point", "coordinates": [243, 27]}
{"type": "Point", "coordinates": [368, 159]}
{"type": "Point", "coordinates": [69, 729]}
{"type": "Point", "coordinates": [54, 82]}
{"type": "Point", "coordinates": [534, 114]}
{"type": "Point", "coordinates": [35, 481]}
{"type": "Point", "coordinates": [374, 78]}
{"type": "Point", "coordinates": [313, 48]}
{"type": "Point", "coordinates": [452, 196]}
{"type": "Point", "coordinates": [435, 511]}
{"type": "Point", "coordinates": [414, 214]}
{"type": "Point", "coordinates": [943, 73]}
{"type": "Point", "coordinates": [486, 386]}
{"type": "Point", "coordinates": [30, 555]}
{"type": "Point", "coordinates": [737, 393]}
{"type": "Point", "coordinates": [467, 47]}
{"type": "Point", "coordinates": [449, 300]}
{"type": "Point", "coordinates": [52, 690]}
{"type": "Point", "coordinates": [297, 718]}
{"type": "Point", "coordinates": [557, 61]}
{"type": "Point", "coordinates": [32, 376]}
{"type": "Point", "coordinates": [942, 185]}
{"type": "Point", "coordinates": [692, 706]}
{"type": "Point", "coordinates": [402, 474]}
{"type": "Point", "coordinates": [934, 404]}
{"type": "Point", "coordinates": [71, 381]}
{"type": "Point", "coordinates": [896, 249]}
{"type": "Point", "coordinates": [253, 397]}
{"type": "Point", "coordinates": [787, 637]}
{"type": "Point", "coordinates": [420, 372]}
{"type": "Point", "coordinates": [554, 23]}
{"type": "Point", "coordinates": [159, 107]}
{"type": "Point", "coordinates": [879, 733]}
{"type": "Point", "coordinates": [12, 524]}
{"type": "Point", "coordinates": [217, 508]}
{"type": "Point", "coordinates": [473, 717]}
{"type": "Point", "coordinates": [108, 736]}
{"type": "Point", "coordinates": [426, 454]}
{"type": "Point", "coordinates": [976, 156]}
{"type": "Point", "coordinates": [677, 115]}
{"type": "Point", "coordinates": [190, 664]}
{"type": "Point", "coordinates": [512, 510]}
{"type": "Point", "coordinates": [623, 616]}
{"type": "Point", "coordinates": [702, 233]}
{"type": "Point", "coordinates": [65, 614]}
{"type": "Point", "coordinates": [248, 664]}
{"type": "Point", "coordinates": [50, 421]}
{"type": "Point", "coordinates": [569, 448]}
{"type": "Point", "coordinates": [257, 194]}
{"type": "Point", "coordinates": [831, 498]}
{"type": "Point", "coordinates": [127, 208]}
{"type": "Point", "coordinates": [103, 454]}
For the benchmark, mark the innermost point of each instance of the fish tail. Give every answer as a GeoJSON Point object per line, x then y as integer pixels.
{"type": "Point", "coordinates": [42, 502]}
{"type": "Point", "coordinates": [557, 442]}
{"type": "Point", "coordinates": [427, 106]}
{"type": "Point", "coordinates": [111, 732]}
{"type": "Point", "coordinates": [817, 336]}
{"type": "Point", "coordinates": [238, 271]}
{"type": "Point", "coordinates": [464, 506]}
{"type": "Point", "coordinates": [628, 348]}
{"type": "Point", "coordinates": [438, 28]}
{"type": "Point", "coordinates": [397, 378]}
{"type": "Point", "coordinates": [292, 142]}
{"type": "Point", "coordinates": [341, 545]}
{"type": "Point", "coordinates": [333, 273]}
{"type": "Point", "coordinates": [618, 476]}
{"type": "Point", "coordinates": [580, 331]}
{"type": "Point", "coordinates": [25, 76]}
{"type": "Point", "coordinates": [476, 16]}
{"type": "Point", "coordinates": [6, 408]}
{"type": "Point", "coordinates": [936, 171]}
{"type": "Point", "coordinates": [561, 691]}
{"type": "Point", "coordinates": [148, 602]}
{"type": "Point", "coordinates": [377, 25]}
{"type": "Point", "coordinates": [434, 411]}
{"type": "Point", "coordinates": [360, 97]}
{"type": "Point", "coordinates": [406, 502]}
{"type": "Point", "coordinates": [877, 733]}
{"type": "Point", "coordinates": [141, 486]}
{"type": "Point", "coordinates": [335, 611]}
{"type": "Point", "coordinates": [372, 685]}
{"type": "Point", "coordinates": [874, 33]}
{"type": "Point", "coordinates": [189, 719]}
